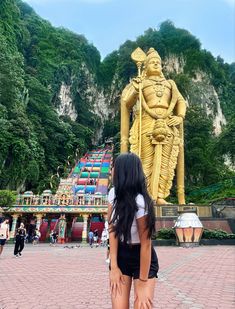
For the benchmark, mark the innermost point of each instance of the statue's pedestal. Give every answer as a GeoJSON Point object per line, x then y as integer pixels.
{"type": "Point", "coordinates": [172, 210]}
{"type": "Point", "coordinates": [166, 216]}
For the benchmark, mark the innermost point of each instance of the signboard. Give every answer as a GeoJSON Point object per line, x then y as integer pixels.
{"type": "Point", "coordinates": [169, 211]}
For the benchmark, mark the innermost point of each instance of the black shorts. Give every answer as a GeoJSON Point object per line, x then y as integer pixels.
{"type": "Point", "coordinates": [128, 260]}
{"type": "Point", "coordinates": [2, 242]}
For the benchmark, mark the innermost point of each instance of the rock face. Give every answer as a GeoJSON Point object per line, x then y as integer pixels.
{"type": "Point", "coordinates": [83, 83]}
{"type": "Point", "coordinates": [219, 119]}
{"type": "Point", "coordinates": [66, 106]}
{"type": "Point", "coordinates": [174, 64]}
{"type": "Point", "coordinates": [228, 162]}
{"type": "Point", "coordinates": [202, 92]}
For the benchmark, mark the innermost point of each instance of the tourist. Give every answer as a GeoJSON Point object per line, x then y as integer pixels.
{"type": "Point", "coordinates": [104, 238]}
{"type": "Point", "coordinates": [108, 249]}
{"type": "Point", "coordinates": [131, 225]}
{"type": "Point", "coordinates": [96, 238]}
{"type": "Point", "coordinates": [19, 240]}
{"type": "Point", "coordinates": [4, 234]}
{"type": "Point", "coordinates": [90, 237]}
{"type": "Point", "coordinates": [36, 236]}
{"type": "Point", "coordinates": [53, 237]}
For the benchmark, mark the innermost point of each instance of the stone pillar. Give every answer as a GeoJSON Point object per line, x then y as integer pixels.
{"type": "Point", "coordinates": [13, 226]}
{"type": "Point", "coordinates": [84, 231]}
{"type": "Point", "coordinates": [38, 221]}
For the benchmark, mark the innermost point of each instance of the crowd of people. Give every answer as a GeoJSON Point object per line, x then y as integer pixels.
{"type": "Point", "coordinates": [22, 237]}
{"type": "Point", "coordinates": [103, 241]}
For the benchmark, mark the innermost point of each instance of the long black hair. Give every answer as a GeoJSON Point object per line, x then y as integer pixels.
{"type": "Point", "coordinates": [129, 181]}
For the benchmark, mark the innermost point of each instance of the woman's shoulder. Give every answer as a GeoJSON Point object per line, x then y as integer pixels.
{"type": "Point", "coordinates": [140, 201]}
{"type": "Point", "coordinates": [141, 206]}
{"type": "Point", "coordinates": [111, 195]}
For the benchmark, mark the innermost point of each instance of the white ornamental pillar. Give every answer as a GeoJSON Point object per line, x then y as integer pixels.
{"type": "Point", "coordinates": [13, 226]}
{"type": "Point", "coordinates": [84, 231]}
{"type": "Point", "coordinates": [38, 221]}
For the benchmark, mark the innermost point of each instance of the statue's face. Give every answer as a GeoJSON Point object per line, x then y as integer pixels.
{"type": "Point", "coordinates": [154, 67]}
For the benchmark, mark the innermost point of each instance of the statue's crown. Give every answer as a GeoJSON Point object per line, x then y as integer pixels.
{"type": "Point", "coordinates": [152, 53]}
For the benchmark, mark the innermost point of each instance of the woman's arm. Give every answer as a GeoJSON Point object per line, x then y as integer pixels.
{"type": "Point", "coordinates": [116, 277]}
{"type": "Point", "coordinates": [113, 241]}
{"type": "Point", "coordinates": [142, 297]}
{"type": "Point", "coordinates": [145, 249]}
{"type": "Point", "coordinates": [8, 233]}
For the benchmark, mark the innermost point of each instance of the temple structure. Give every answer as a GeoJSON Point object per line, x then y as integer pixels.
{"type": "Point", "coordinates": [80, 203]}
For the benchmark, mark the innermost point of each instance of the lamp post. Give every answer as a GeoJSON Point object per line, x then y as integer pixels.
{"type": "Point", "coordinates": [188, 229]}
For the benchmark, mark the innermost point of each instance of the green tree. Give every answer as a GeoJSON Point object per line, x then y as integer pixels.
{"type": "Point", "coordinates": [7, 199]}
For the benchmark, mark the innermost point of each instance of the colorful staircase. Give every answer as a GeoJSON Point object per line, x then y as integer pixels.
{"type": "Point", "coordinates": [93, 172]}
{"type": "Point", "coordinates": [90, 176]}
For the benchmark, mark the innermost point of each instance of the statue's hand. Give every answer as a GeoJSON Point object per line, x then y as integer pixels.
{"type": "Point", "coordinates": [174, 121]}
{"type": "Point", "coordinates": [135, 83]}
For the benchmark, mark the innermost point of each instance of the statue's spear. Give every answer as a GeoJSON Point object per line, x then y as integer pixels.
{"type": "Point", "coordinates": [139, 57]}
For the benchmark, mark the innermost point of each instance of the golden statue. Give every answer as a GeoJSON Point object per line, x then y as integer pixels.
{"type": "Point", "coordinates": [157, 131]}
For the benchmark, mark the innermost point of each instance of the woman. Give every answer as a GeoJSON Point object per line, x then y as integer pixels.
{"type": "Point", "coordinates": [36, 236]}
{"type": "Point", "coordinates": [20, 238]}
{"type": "Point", "coordinates": [131, 225]}
{"type": "Point", "coordinates": [4, 233]}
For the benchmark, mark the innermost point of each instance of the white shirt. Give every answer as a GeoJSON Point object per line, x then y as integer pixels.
{"type": "Point", "coordinates": [139, 214]}
{"type": "Point", "coordinates": [4, 230]}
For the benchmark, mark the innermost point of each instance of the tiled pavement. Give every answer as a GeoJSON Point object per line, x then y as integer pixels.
{"type": "Point", "coordinates": [57, 277]}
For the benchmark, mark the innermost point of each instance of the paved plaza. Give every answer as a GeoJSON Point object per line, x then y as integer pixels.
{"type": "Point", "coordinates": [58, 277]}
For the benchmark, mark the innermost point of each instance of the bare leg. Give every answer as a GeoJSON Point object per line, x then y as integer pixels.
{"type": "Point", "coordinates": [1, 248]}
{"type": "Point", "coordinates": [150, 290]}
{"type": "Point", "coordinates": [122, 301]}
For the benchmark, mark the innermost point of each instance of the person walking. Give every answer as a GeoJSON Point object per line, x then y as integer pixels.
{"type": "Point", "coordinates": [108, 248]}
{"type": "Point", "coordinates": [96, 238]}
{"type": "Point", "coordinates": [131, 225]}
{"type": "Point", "coordinates": [103, 242]}
{"type": "Point", "coordinates": [20, 239]}
{"type": "Point", "coordinates": [90, 237]}
{"type": "Point", "coordinates": [4, 234]}
{"type": "Point", "coordinates": [37, 235]}
{"type": "Point", "coordinates": [53, 238]}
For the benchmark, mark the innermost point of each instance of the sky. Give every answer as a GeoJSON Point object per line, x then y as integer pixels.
{"type": "Point", "coordinates": [109, 23]}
